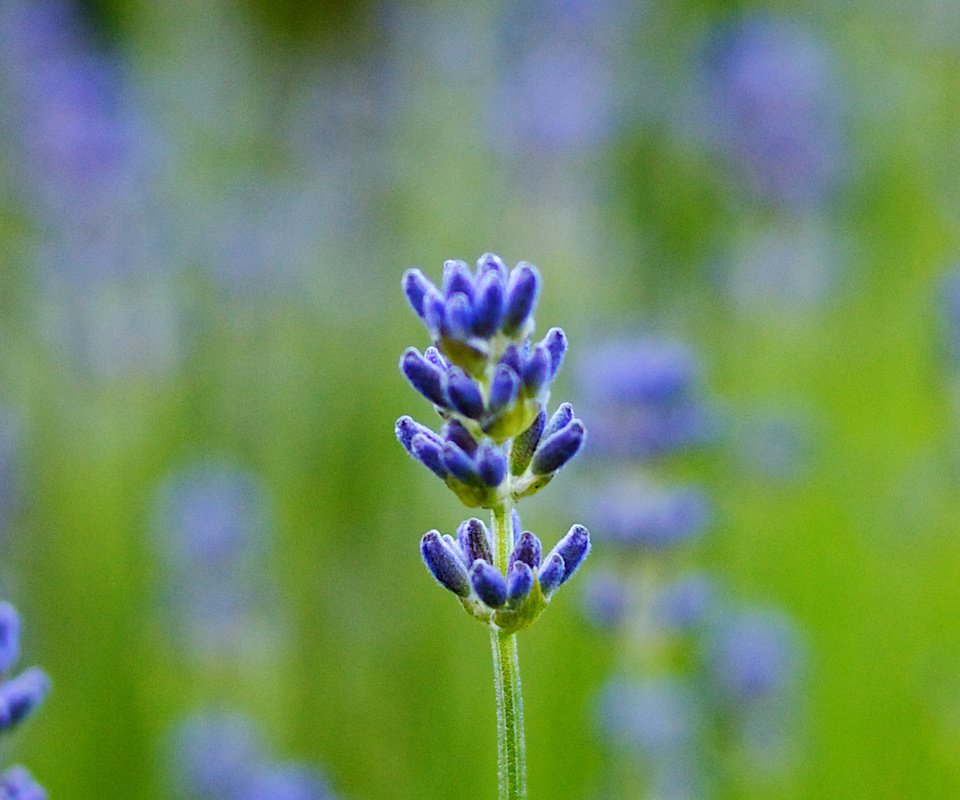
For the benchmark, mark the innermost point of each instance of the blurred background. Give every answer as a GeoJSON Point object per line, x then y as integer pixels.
{"type": "Point", "coordinates": [746, 218]}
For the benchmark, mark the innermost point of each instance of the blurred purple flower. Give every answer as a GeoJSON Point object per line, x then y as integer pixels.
{"type": "Point", "coordinates": [86, 172]}
{"type": "Point", "coordinates": [214, 755]}
{"type": "Point", "coordinates": [775, 106]}
{"type": "Point", "coordinates": [606, 598]}
{"type": "Point", "coordinates": [650, 518]}
{"type": "Point", "coordinates": [685, 602]}
{"type": "Point", "coordinates": [20, 695]}
{"type": "Point", "coordinates": [655, 716]}
{"type": "Point", "coordinates": [642, 396]}
{"type": "Point", "coordinates": [286, 782]}
{"type": "Point", "coordinates": [220, 755]}
{"type": "Point", "coordinates": [212, 529]}
{"type": "Point", "coordinates": [791, 267]}
{"type": "Point", "coordinates": [561, 84]}
{"type": "Point", "coordinates": [753, 654]}
{"type": "Point", "coordinates": [949, 301]}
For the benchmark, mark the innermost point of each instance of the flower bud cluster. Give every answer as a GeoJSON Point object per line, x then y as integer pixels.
{"type": "Point", "coordinates": [465, 566]}
{"type": "Point", "coordinates": [490, 385]}
{"type": "Point", "coordinates": [19, 696]}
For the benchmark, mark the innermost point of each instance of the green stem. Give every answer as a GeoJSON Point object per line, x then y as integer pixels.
{"type": "Point", "coordinates": [511, 752]}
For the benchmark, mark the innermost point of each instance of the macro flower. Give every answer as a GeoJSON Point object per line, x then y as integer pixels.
{"type": "Point", "coordinates": [490, 384]}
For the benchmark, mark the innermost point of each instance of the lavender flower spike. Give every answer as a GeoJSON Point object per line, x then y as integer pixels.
{"type": "Point", "coordinates": [574, 548]}
{"type": "Point", "coordinates": [490, 383]}
{"type": "Point", "coordinates": [445, 564]}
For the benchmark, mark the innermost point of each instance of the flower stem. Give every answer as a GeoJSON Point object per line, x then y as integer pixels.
{"type": "Point", "coordinates": [511, 752]}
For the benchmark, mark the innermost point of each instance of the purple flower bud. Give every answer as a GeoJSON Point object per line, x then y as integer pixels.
{"type": "Point", "coordinates": [475, 541]}
{"type": "Point", "coordinates": [455, 431]}
{"type": "Point", "coordinates": [489, 262]}
{"type": "Point", "coordinates": [519, 582]}
{"type": "Point", "coordinates": [527, 549]}
{"type": "Point", "coordinates": [551, 573]}
{"type": "Point", "coordinates": [556, 343]}
{"type": "Point", "coordinates": [454, 547]}
{"type": "Point", "coordinates": [605, 599]}
{"type": "Point", "coordinates": [489, 307]}
{"type": "Point", "coordinates": [511, 357]}
{"type": "Point", "coordinates": [407, 427]}
{"type": "Point", "coordinates": [464, 393]}
{"type": "Point", "coordinates": [458, 317]}
{"type": "Point", "coordinates": [436, 358]}
{"type": "Point", "coordinates": [556, 451]}
{"type": "Point", "coordinates": [426, 378]}
{"type": "Point", "coordinates": [536, 369]}
{"type": "Point", "coordinates": [21, 695]}
{"type": "Point", "coordinates": [489, 584]}
{"type": "Point", "coordinates": [9, 636]}
{"type": "Point", "coordinates": [525, 444]}
{"type": "Point", "coordinates": [574, 548]}
{"type": "Point", "coordinates": [416, 286]}
{"type": "Point", "coordinates": [460, 465]}
{"type": "Point", "coordinates": [434, 311]}
{"type": "Point", "coordinates": [429, 453]}
{"type": "Point", "coordinates": [503, 389]}
{"type": "Point", "coordinates": [18, 784]}
{"type": "Point", "coordinates": [522, 293]}
{"type": "Point", "coordinates": [457, 279]}
{"type": "Point", "coordinates": [560, 419]}
{"type": "Point", "coordinates": [444, 564]}
{"type": "Point", "coordinates": [491, 465]}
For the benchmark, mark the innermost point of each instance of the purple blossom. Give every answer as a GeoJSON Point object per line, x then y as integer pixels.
{"type": "Point", "coordinates": [685, 602]}
{"type": "Point", "coordinates": [212, 529]}
{"type": "Point", "coordinates": [654, 717]}
{"type": "Point", "coordinates": [775, 106]}
{"type": "Point", "coordinates": [606, 599]}
{"type": "Point", "coordinates": [753, 654]}
{"type": "Point", "coordinates": [650, 518]}
{"type": "Point", "coordinates": [643, 395]}
{"type": "Point", "coordinates": [562, 80]}
{"type": "Point", "coordinates": [221, 755]}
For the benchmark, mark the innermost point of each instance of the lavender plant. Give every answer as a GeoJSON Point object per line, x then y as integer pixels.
{"type": "Point", "coordinates": [692, 662]}
{"type": "Point", "coordinates": [19, 696]}
{"type": "Point", "coordinates": [490, 385]}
